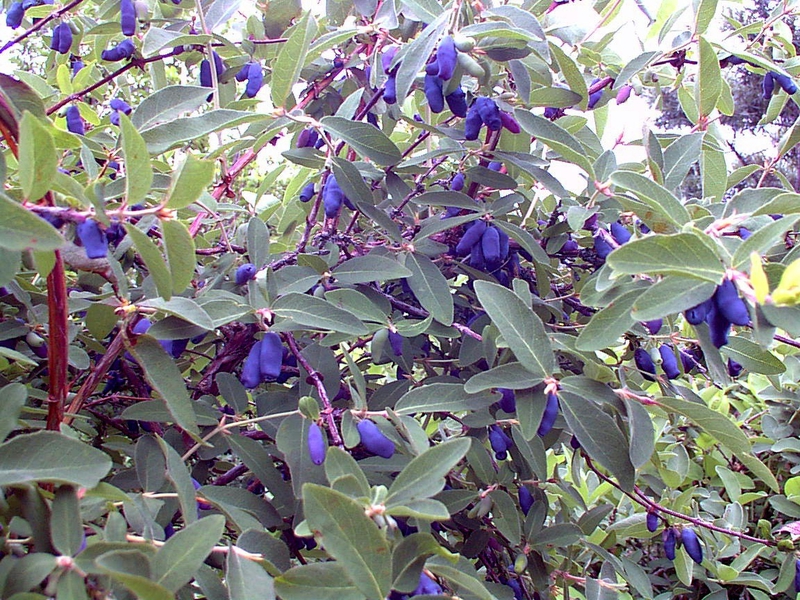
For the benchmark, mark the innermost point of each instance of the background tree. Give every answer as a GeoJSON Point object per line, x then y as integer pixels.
{"type": "Point", "coordinates": [335, 322]}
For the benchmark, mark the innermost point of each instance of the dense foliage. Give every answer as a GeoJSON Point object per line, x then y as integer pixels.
{"type": "Point", "coordinates": [374, 302]}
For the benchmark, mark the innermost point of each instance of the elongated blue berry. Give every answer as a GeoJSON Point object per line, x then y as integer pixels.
{"type": "Point", "coordinates": [525, 499]}
{"type": "Point", "coordinates": [316, 444]}
{"type": "Point", "coordinates": [307, 193]}
{"type": "Point", "coordinates": [509, 122]}
{"type": "Point", "coordinates": [75, 121]}
{"type": "Point", "coordinates": [332, 197]}
{"type": "Point", "coordinates": [594, 97]}
{"type": "Point", "coordinates": [251, 371]}
{"type": "Point", "coordinates": [426, 587]}
{"type": "Point", "coordinates": [127, 17]}
{"type": "Point", "coordinates": [245, 273]}
{"type": "Point", "coordinates": [728, 302]}
{"type": "Point", "coordinates": [734, 368]}
{"type": "Point", "coordinates": [692, 545]}
{"type": "Point", "coordinates": [457, 183]}
{"type": "Point", "coordinates": [654, 326]}
{"type": "Point", "coordinates": [624, 93]}
{"type": "Point", "coordinates": [14, 15]}
{"type": "Point", "coordinates": [787, 83]}
{"type": "Point", "coordinates": [433, 93]}
{"type": "Point", "coordinates": [508, 401]}
{"type": "Point", "coordinates": [797, 576]}
{"type": "Point", "coordinates": [644, 363]}
{"type": "Point", "coordinates": [387, 56]}
{"type": "Point", "coordinates": [489, 112]}
{"type": "Point", "coordinates": [697, 314]}
{"type": "Point", "coordinates": [390, 90]}
{"type": "Point", "coordinates": [490, 245]}
{"type": "Point", "coordinates": [255, 79]}
{"type": "Point", "coordinates": [471, 237]}
{"type": "Point", "coordinates": [241, 74]}
{"type": "Point", "coordinates": [373, 440]}
{"type": "Point", "coordinates": [669, 540]}
{"type": "Point", "coordinates": [271, 357]}
{"type": "Point", "coordinates": [120, 105]}
{"type": "Point", "coordinates": [768, 85]}
{"type": "Point", "coordinates": [549, 415]}
{"type": "Point", "coordinates": [669, 363]}
{"type": "Point", "coordinates": [620, 233]}
{"type": "Point", "coordinates": [499, 442]}
{"type": "Point", "coordinates": [601, 246]}
{"type": "Point", "coordinates": [457, 102]}
{"type": "Point", "coordinates": [473, 123]}
{"type": "Point", "coordinates": [62, 38]}
{"type": "Point", "coordinates": [205, 73]}
{"type": "Point", "coordinates": [93, 238]}
{"type": "Point", "coordinates": [652, 522]}
{"type": "Point", "coordinates": [447, 57]}
{"type": "Point", "coordinates": [718, 326]}
{"type": "Point", "coordinates": [124, 49]}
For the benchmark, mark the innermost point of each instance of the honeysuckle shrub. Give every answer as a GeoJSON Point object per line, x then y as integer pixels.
{"type": "Point", "coordinates": [393, 299]}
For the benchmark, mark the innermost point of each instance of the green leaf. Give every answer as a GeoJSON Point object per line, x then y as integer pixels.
{"type": "Point", "coordinates": [20, 229]}
{"type": "Point", "coordinates": [669, 296]}
{"type": "Point", "coordinates": [165, 136]}
{"type": "Point", "coordinates": [339, 464]}
{"type": "Point", "coordinates": [554, 96]}
{"type": "Point", "coordinates": [713, 169]}
{"type": "Point", "coordinates": [607, 325]}
{"type": "Point", "coordinates": [680, 155]}
{"type": "Point", "coordinates": [291, 57]}
{"type": "Point", "coordinates": [556, 137]}
{"type": "Point", "coordinates": [753, 357]}
{"type": "Point", "coordinates": [139, 171]}
{"type": "Point", "coordinates": [655, 196]}
{"type": "Point", "coordinates": [520, 327]}
{"type": "Point", "coordinates": [66, 527]}
{"type": "Point", "coordinates": [317, 581]}
{"type": "Point", "coordinates": [153, 260]}
{"type": "Point", "coordinates": [413, 56]}
{"type": "Point", "coordinates": [38, 159]}
{"type": "Point", "coordinates": [704, 15]}
{"type": "Point", "coordinates": [185, 308]}
{"type": "Point", "coordinates": [460, 577]}
{"type": "Point", "coordinates": [430, 287]}
{"type": "Point", "coordinates": [180, 557]}
{"type": "Point", "coordinates": [725, 431]}
{"type": "Point", "coordinates": [247, 579]}
{"type": "Point", "coordinates": [559, 535]}
{"type": "Point", "coordinates": [505, 515]}
{"type": "Point", "coordinates": [258, 242]}
{"type": "Point", "coordinates": [162, 373]}
{"type": "Point", "coordinates": [316, 313]}
{"type": "Point", "coordinates": [351, 538]}
{"type": "Point", "coordinates": [708, 86]}
{"type": "Point", "coordinates": [53, 457]}
{"type": "Point", "coordinates": [436, 397]}
{"type": "Point", "coordinates": [372, 267]}
{"type": "Point", "coordinates": [178, 474]}
{"type": "Point", "coordinates": [189, 181]}
{"type": "Point", "coordinates": [179, 246]}
{"type": "Point", "coordinates": [599, 435]}
{"type": "Point", "coordinates": [257, 459]}
{"type": "Point", "coordinates": [365, 139]}
{"type": "Point", "coordinates": [678, 254]}
{"type": "Point", "coordinates": [167, 103]}
{"type": "Point", "coordinates": [509, 375]}
{"type": "Point", "coordinates": [408, 558]}
{"type": "Point", "coordinates": [131, 569]}
{"type": "Point", "coordinates": [351, 181]}
{"type": "Point", "coordinates": [424, 476]}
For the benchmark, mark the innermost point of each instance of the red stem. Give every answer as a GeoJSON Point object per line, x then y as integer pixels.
{"type": "Point", "coordinates": [57, 348]}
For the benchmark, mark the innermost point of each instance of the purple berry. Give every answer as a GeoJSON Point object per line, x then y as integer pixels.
{"type": "Point", "coordinates": [457, 102]}
{"type": "Point", "coordinates": [251, 371]}
{"type": "Point", "coordinates": [669, 363]}
{"type": "Point", "coordinates": [14, 15]}
{"type": "Point", "coordinates": [433, 93]}
{"type": "Point", "coordinates": [549, 415]}
{"type": "Point", "coordinates": [620, 233]}
{"type": "Point", "coordinates": [692, 545]}
{"type": "Point", "coordinates": [255, 79]}
{"type": "Point", "coordinates": [644, 363]}
{"type": "Point", "coordinates": [472, 236]}
{"type": "Point", "coordinates": [447, 57]}
{"type": "Point", "coordinates": [728, 302]}
{"type": "Point", "coordinates": [669, 540]}
{"type": "Point", "coordinates": [457, 183]}
{"type": "Point", "coordinates": [271, 357]}
{"type": "Point", "coordinates": [245, 273]}
{"type": "Point", "coordinates": [473, 123]}
{"type": "Point", "coordinates": [307, 192]}
{"type": "Point", "coordinates": [768, 85]}
{"type": "Point", "coordinates": [75, 121]}
{"type": "Point", "coordinates": [508, 402]}
{"type": "Point", "coordinates": [93, 238]}
{"type": "Point", "coordinates": [316, 444]}
{"type": "Point", "coordinates": [525, 499]}
{"type": "Point", "coordinates": [489, 112]}
{"type": "Point", "coordinates": [652, 522]}
{"type": "Point", "coordinates": [373, 440]}
{"type": "Point", "coordinates": [124, 49]}
{"type": "Point", "coordinates": [127, 17]}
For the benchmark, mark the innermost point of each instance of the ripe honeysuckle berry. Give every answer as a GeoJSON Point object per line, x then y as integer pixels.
{"type": "Point", "coordinates": [652, 522]}
{"type": "Point", "coordinates": [669, 362]}
{"type": "Point", "coordinates": [251, 370]}
{"type": "Point", "coordinates": [316, 444]}
{"type": "Point", "coordinates": [490, 246]}
{"type": "Point", "coordinates": [93, 238]}
{"type": "Point", "coordinates": [718, 326]}
{"type": "Point", "coordinates": [787, 83]}
{"type": "Point", "coordinates": [245, 273]}
{"type": "Point", "coordinates": [446, 57]}
{"type": "Point", "coordinates": [271, 356]}
{"type": "Point", "coordinates": [768, 85]}
{"type": "Point", "coordinates": [594, 97]}
{"type": "Point", "coordinates": [255, 80]}
{"type": "Point", "coordinates": [61, 41]}
{"type": "Point", "coordinates": [654, 326]}
{"type": "Point", "coordinates": [734, 368]}
{"type": "Point", "coordinates": [123, 50]}
{"type": "Point", "coordinates": [387, 56]}
{"type": "Point", "coordinates": [727, 300]}
{"type": "Point", "coordinates": [457, 183]}
{"type": "Point", "coordinates": [15, 15]}
{"type": "Point", "coordinates": [75, 121]}
{"type": "Point", "coordinates": [508, 401]}
{"type": "Point", "coordinates": [601, 246]}
{"type": "Point", "coordinates": [525, 499]}
{"type": "Point", "coordinates": [624, 93]}
{"type": "Point", "coordinates": [489, 112]}
{"type": "Point", "coordinates": [373, 439]}
{"type": "Point", "coordinates": [332, 197]}
{"type": "Point", "coordinates": [509, 122]}
{"type": "Point", "coordinates": [797, 576]}
{"type": "Point", "coordinates": [390, 90]}
{"type": "Point", "coordinates": [433, 93]}
{"type": "Point", "coordinates": [127, 17]}
{"type": "Point", "coordinates": [457, 102]}
{"type": "Point", "coordinates": [471, 237]}
{"type": "Point", "coordinates": [691, 544]}
{"type": "Point", "coordinates": [697, 314]}
{"type": "Point", "coordinates": [669, 540]}
{"type": "Point", "coordinates": [620, 233]}
{"type": "Point", "coordinates": [427, 587]}
{"type": "Point", "coordinates": [307, 193]}
{"type": "Point", "coordinates": [644, 362]}
{"type": "Point", "coordinates": [549, 415]}
{"type": "Point", "coordinates": [120, 105]}
{"type": "Point", "coordinates": [473, 123]}
{"type": "Point", "coordinates": [241, 74]}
